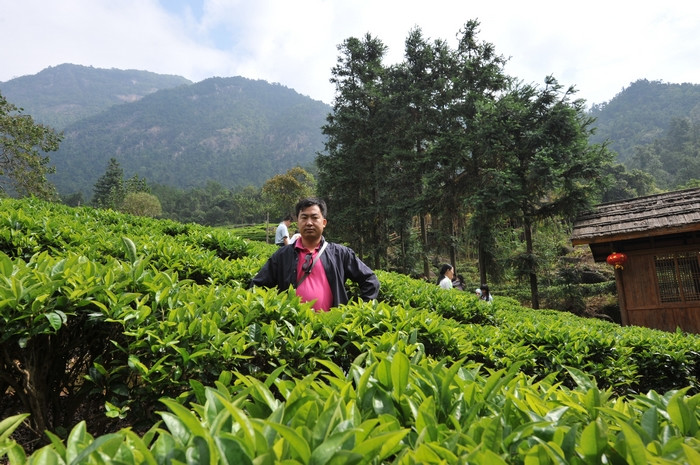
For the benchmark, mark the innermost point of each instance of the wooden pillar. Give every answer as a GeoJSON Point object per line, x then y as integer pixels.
{"type": "Point", "coordinates": [619, 283]}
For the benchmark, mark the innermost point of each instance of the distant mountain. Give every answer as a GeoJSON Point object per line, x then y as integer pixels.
{"type": "Point", "coordinates": [61, 95]}
{"type": "Point", "coordinates": [238, 131]}
{"type": "Point", "coordinates": [641, 113]}
{"type": "Point", "coordinates": [234, 131]}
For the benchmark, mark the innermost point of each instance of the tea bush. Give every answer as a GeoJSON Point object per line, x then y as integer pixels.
{"type": "Point", "coordinates": [391, 408]}
{"type": "Point", "coordinates": [107, 318]}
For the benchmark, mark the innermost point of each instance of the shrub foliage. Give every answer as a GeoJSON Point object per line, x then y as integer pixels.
{"type": "Point", "coordinates": [134, 340]}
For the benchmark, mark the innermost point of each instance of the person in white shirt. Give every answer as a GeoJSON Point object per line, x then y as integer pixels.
{"type": "Point", "coordinates": [282, 233]}
{"type": "Point", "coordinates": [485, 294]}
{"type": "Point", "coordinates": [447, 272]}
{"type": "Point", "coordinates": [294, 237]}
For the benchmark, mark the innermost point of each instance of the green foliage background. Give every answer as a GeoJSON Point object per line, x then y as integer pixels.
{"type": "Point", "coordinates": [233, 131]}
{"type": "Point", "coordinates": [111, 320]}
{"type": "Point", "coordinates": [642, 112]}
{"type": "Point", "coordinates": [151, 319]}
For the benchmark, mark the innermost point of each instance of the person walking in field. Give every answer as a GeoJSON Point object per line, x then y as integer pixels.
{"type": "Point", "coordinates": [316, 268]}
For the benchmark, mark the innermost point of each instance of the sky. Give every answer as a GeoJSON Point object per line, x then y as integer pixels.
{"type": "Point", "coordinates": [600, 47]}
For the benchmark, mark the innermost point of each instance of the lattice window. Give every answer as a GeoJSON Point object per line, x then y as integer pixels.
{"type": "Point", "coordinates": [678, 276]}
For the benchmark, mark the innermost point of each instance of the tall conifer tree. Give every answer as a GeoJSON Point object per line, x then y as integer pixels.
{"type": "Point", "coordinates": [415, 88]}
{"type": "Point", "coordinates": [351, 172]}
{"type": "Point", "coordinates": [109, 188]}
{"type": "Point", "coordinates": [545, 168]}
{"type": "Point", "coordinates": [476, 77]}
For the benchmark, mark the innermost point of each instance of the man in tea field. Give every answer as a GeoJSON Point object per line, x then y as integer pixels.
{"type": "Point", "coordinates": [316, 268]}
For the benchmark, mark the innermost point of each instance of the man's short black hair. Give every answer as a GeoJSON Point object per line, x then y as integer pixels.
{"type": "Point", "coordinates": [288, 218]}
{"type": "Point", "coordinates": [303, 204]}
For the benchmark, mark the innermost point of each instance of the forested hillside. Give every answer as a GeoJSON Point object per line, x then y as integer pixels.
{"type": "Point", "coordinates": [168, 131]}
{"type": "Point", "coordinates": [233, 131]}
{"type": "Point", "coordinates": [642, 113]}
{"type": "Point", "coordinates": [229, 133]}
{"type": "Point", "coordinates": [61, 95]}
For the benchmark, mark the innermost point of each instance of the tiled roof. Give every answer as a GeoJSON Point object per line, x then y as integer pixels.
{"type": "Point", "coordinates": [653, 215]}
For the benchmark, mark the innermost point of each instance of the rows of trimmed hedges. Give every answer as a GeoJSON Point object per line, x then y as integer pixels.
{"type": "Point", "coordinates": [395, 406]}
{"type": "Point", "coordinates": [104, 315]}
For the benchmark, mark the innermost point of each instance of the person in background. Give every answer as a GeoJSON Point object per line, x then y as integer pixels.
{"type": "Point", "coordinates": [316, 268]}
{"type": "Point", "coordinates": [478, 292]}
{"type": "Point", "coordinates": [282, 233]}
{"type": "Point", "coordinates": [485, 294]}
{"type": "Point", "coordinates": [458, 282]}
{"type": "Point", "coordinates": [294, 237]}
{"type": "Point", "coordinates": [444, 280]}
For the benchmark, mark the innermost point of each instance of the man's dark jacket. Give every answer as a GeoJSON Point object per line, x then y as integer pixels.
{"type": "Point", "coordinates": [340, 263]}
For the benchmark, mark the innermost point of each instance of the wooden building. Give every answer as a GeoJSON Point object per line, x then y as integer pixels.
{"type": "Point", "coordinates": [659, 285]}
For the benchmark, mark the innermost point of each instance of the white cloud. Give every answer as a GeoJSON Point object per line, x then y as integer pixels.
{"type": "Point", "coordinates": [598, 46]}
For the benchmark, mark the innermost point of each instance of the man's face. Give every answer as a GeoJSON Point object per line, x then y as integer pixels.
{"type": "Point", "coordinates": [311, 223]}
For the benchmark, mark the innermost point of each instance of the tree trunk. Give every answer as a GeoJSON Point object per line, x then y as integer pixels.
{"type": "Point", "coordinates": [424, 237]}
{"type": "Point", "coordinates": [482, 263]}
{"type": "Point", "coordinates": [453, 245]}
{"type": "Point", "coordinates": [379, 249]}
{"type": "Point", "coordinates": [30, 374]}
{"type": "Point", "coordinates": [535, 296]}
{"type": "Point", "coordinates": [402, 251]}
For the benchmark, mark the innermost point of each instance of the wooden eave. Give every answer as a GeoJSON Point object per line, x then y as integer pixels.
{"type": "Point", "coordinates": [636, 235]}
{"type": "Point", "coordinates": [644, 217]}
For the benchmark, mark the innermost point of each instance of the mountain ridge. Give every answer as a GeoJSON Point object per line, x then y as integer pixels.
{"type": "Point", "coordinates": [238, 131]}
{"type": "Point", "coordinates": [642, 112]}
{"type": "Point", "coordinates": [61, 95]}
{"type": "Point", "coordinates": [231, 130]}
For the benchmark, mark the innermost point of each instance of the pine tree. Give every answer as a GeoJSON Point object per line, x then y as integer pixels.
{"type": "Point", "coordinates": [542, 164]}
{"type": "Point", "coordinates": [136, 184]}
{"type": "Point", "coordinates": [351, 173]}
{"type": "Point", "coordinates": [109, 189]}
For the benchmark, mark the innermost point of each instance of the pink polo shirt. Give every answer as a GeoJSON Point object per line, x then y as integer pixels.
{"type": "Point", "coordinates": [315, 286]}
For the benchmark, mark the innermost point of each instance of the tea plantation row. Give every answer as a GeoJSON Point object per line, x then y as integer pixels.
{"type": "Point", "coordinates": [143, 332]}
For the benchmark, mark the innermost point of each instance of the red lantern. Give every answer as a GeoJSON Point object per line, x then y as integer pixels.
{"type": "Point", "coordinates": [617, 260]}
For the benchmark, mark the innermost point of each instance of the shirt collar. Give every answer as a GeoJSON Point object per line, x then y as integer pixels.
{"type": "Point", "coordinates": [299, 247]}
